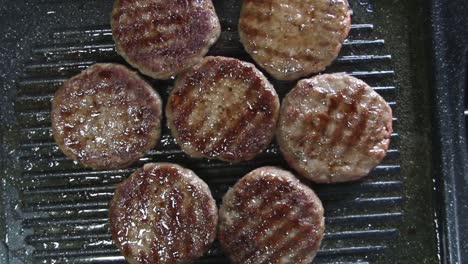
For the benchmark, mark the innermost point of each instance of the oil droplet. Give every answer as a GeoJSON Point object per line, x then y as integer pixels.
{"type": "Point", "coordinates": [369, 6]}
{"type": "Point", "coordinates": [28, 167]}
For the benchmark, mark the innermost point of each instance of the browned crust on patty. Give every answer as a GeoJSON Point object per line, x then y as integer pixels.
{"type": "Point", "coordinates": [292, 39]}
{"type": "Point", "coordinates": [270, 217]}
{"type": "Point", "coordinates": [164, 38]}
{"type": "Point", "coordinates": [223, 108]}
{"type": "Point", "coordinates": [106, 117]}
{"type": "Point", "coordinates": [163, 213]}
{"type": "Point", "coordinates": [334, 128]}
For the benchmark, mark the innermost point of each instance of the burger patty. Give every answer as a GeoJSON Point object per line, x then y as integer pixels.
{"type": "Point", "coordinates": [223, 108]}
{"type": "Point", "coordinates": [163, 213]}
{"type": "Point", "coordinates": [334, 128]}
{"type": "Point", "coordinates": [163, 38]}
{"type": "Point", "coordinates": [292, 39]}
{"type": "Point", "coordinates": [270, 217]}
{"type": "Point", "coordinates": [106, 117]}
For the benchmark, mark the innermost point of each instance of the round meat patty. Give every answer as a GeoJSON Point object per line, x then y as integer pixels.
{"type": "Point", "coordinates": [223, 108]}
{"type": "Point", "coordinates": [163, 38]}
{"type": "Point", "coordinates": [292, 39]}
{"type": "Point", "coordinates": [106, 117]}
{"type": "Point", "coordinates": [270, 217]}
{"type": "Point", "coordinates": [334, 128]}
{"type": "Point", "coordinates": [163, 213]}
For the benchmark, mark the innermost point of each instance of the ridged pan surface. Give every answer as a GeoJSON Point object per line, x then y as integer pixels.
{"type": "Point", "coordinates": [60, 209]}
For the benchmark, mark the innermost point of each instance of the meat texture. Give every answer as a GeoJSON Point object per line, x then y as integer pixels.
{"type": "Point", "coordinates": [163, 213]}
{"type": "Point", "coordinates": [270, 217]}
{"type": "Point", "coordinates": [106, 117]}
{"type": "Point", "coordinates": [164, 38]}
{"type": "Point", "coordinates": [223, 108]}
{"type": "Point", "coordinates": [292, 39]}
{"type": "Point", "coordinates": [334, 128]}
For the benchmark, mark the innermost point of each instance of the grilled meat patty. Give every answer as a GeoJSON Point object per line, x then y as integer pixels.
{"type": "Point", "coordinates": [223, 108]}
{"type": "Point", "coordinates": [270, 217]}
{"type": "Point", "coordinates": [163, 213]}
{"type": "Point", "coordinates": [163, 38]}
{"type": "Point", "coordinates": [334, 128]}
{"type": "Point", "coordinates": [106, 117]}
{"type": "Point", "coordinates": [292, 39]}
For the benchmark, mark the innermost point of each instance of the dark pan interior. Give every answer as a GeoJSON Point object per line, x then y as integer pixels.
{"type": "Point", "coordinates": [55, 211]}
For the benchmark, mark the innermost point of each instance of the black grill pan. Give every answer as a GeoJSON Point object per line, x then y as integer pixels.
{"type": "Point", "coordinates": [55, 211]}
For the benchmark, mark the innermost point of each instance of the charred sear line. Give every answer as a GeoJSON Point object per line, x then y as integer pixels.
{"type": "Point", "coordinates": [252, 31]}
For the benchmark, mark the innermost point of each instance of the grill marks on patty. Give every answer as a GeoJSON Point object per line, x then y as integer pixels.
{"type": "Point", "coordinates": [223, 108]}
{"type": "Point", "coordinates": [270, 216]}
{"type": "Point", "coordinates": [294, 39]}
{"type": "Point", "coordinates": [334, 128]}
{"type": "Point", "coordinates": [106, 117]}
{"type": "Point", "coordinates": [163, 213]}
{"type": "Point", "coordinates": [164, 38]}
